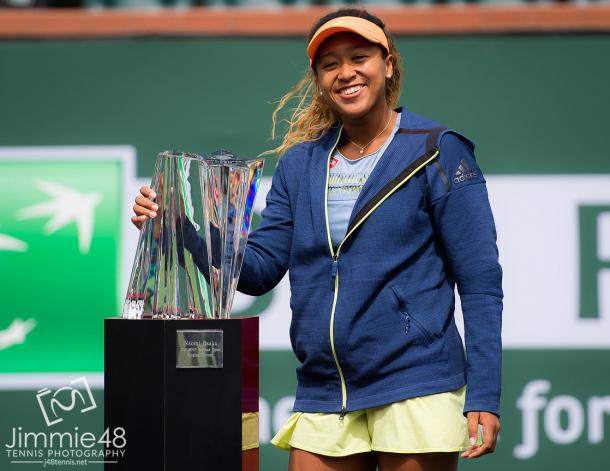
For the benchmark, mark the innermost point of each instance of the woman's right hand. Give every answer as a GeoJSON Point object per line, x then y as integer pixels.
{"type": "Point", "coordinates": [144, 206]}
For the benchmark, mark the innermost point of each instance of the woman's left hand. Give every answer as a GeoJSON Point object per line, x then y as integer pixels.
{"type": "Point", "coordinates": [491, 427]}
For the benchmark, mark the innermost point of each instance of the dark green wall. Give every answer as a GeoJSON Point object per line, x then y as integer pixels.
{"type": "Point", "coordinates": [532, 103]}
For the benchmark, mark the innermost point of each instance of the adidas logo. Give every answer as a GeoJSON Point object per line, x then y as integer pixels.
{"type": "Point", "coordinates": [463, 173]}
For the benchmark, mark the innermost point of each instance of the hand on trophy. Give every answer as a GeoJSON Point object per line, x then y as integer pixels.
{"type": "Point", "coordinates": [144, 207]}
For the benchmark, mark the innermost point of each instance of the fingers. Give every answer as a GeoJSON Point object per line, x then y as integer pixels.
{"type": "Point", "coordinates": [146, 203]}
{"type": "Point", "coordinates": [138, 220]}
{"type": "Point", "coordinates": [145, 211]}
{"type": "Point", "coordinates": [473, 426]}
{"type": "Point", "coordinates": [148, 192]}
{"type": "Point", "coordinates": [489, 442]}
{"type": "Point", "coordinates": [144, 206]}
{"type": "Point", "coordinates": [491, 427]}
{"type": "Point", "coordinates": [473, 432]}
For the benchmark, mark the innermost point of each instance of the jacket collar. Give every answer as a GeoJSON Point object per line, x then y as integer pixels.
{"type": "Point", "coordinates": [319, 167]}
{"type": "Point", "coordinates": [400, 153]}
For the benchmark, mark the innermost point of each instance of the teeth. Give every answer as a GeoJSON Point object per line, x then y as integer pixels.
{"type": "Point", "coordinates": [351, 90]}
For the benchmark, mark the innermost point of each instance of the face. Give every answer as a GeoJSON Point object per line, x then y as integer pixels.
{"type": "Point", "coordinates": [352, 72]}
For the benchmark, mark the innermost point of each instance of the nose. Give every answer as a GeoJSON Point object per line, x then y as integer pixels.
{"type": "Point", "coordinates": [346, 72]}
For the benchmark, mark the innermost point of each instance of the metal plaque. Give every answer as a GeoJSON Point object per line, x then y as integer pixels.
{"type": "Point", "coordinates": [199, 348]}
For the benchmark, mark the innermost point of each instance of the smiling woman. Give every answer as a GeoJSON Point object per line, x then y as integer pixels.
{"type": "Point", "coordinates": [394, 205]}
{"type": "Point", "coordinates": [347, 111]}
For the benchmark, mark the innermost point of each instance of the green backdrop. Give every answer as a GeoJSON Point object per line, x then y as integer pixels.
{"type": "Point", "coordinates": [533, 104]}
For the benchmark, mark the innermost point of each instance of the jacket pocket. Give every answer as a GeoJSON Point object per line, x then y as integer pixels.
{"type": "Point", "coordinates": [410, 320]}
{"type": "Point", "coordinates": [309, 325]}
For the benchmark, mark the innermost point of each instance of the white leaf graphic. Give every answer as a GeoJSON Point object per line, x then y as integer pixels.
{"type": "Point", "coordinates": [12, 244]}
{"type": "Point", "coordinates": [16, 333]}
{"type": "Point", "coordinates": [67, 205]}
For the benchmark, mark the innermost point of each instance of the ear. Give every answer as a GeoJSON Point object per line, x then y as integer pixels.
{"type": "Point", "coordinates": [389, 68]}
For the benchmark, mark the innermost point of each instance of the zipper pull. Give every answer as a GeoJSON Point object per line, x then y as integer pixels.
{"type": "Point", "coordinates": [343, 412]}
{"type": "Point", "coordinates": [334, 269]}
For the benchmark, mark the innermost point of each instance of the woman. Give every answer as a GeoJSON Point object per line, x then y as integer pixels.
{"type": "Point", "coordinates": [377, 214]}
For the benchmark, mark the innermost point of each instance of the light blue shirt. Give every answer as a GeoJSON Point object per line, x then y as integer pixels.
{"type": "Point", "coordinates": [345, 181]}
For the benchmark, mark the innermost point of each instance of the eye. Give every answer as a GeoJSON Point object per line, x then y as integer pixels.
{"type": "Point", "coordinates": [359, 58]}
{"type": "Point", "coordinates": [328, 65]}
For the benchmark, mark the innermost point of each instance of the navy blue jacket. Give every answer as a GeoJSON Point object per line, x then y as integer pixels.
{"type": "Point", "coordinates": [373, 322]}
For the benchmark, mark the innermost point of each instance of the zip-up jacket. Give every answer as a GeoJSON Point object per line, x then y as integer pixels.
{"type": "Point", "coordinates": [373, 321]}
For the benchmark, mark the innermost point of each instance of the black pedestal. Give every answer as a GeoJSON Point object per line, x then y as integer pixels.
{"type": "Point", "coordinates": [179, 418]}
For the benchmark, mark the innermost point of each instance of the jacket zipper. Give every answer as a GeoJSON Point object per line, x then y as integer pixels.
{"type": "Point", "coordinates": [335, 256]}
{"type": "Point", "coordinates": [335, 278]}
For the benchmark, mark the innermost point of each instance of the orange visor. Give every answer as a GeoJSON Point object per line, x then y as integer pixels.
{"type": "Point", "coordinates": [352, 24]}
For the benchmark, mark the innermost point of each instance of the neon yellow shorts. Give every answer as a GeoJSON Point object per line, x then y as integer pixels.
{"type": "Point", "coordinates": [431, 423]}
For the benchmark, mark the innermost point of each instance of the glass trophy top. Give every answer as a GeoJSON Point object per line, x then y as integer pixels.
{"type": "Point", "coordinates": [189, 257]}
{"type": "Point", "coordinates": [225, 157]}
{"type": "Point", "coordinates": [179, 154]}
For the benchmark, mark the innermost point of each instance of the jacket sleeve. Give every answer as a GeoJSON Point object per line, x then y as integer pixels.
{"type": "Point", "coordinates": [459, 206]}
{"type": "Point", "coordinates": [268, 249]}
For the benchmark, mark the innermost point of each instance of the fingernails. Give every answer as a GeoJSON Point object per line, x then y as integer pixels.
{"type": "Point", "coordinates": [153, 194]}
{"type": "Point", "coordinates": [473, 440]}
{"type": "Point", "coordinates": [155, 207]}
{"type": "Point", "coordinates": [153, 214]}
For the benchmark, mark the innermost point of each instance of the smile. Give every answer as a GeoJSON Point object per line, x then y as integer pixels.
{"type": "Point", "coordinates": [348, 91]}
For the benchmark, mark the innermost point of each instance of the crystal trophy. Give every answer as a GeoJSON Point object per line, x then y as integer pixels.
{"type": "Point", "coordinates": [230, 188]}
{"type": "Point", "coordinates": [199, 234]}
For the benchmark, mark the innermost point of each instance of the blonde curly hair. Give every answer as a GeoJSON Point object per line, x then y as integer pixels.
{"type": "Point", "coordinates": [311, 117]}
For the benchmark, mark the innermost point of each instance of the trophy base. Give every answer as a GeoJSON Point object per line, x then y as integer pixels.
{"type": "Point", "coordinates": [185, 392]}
